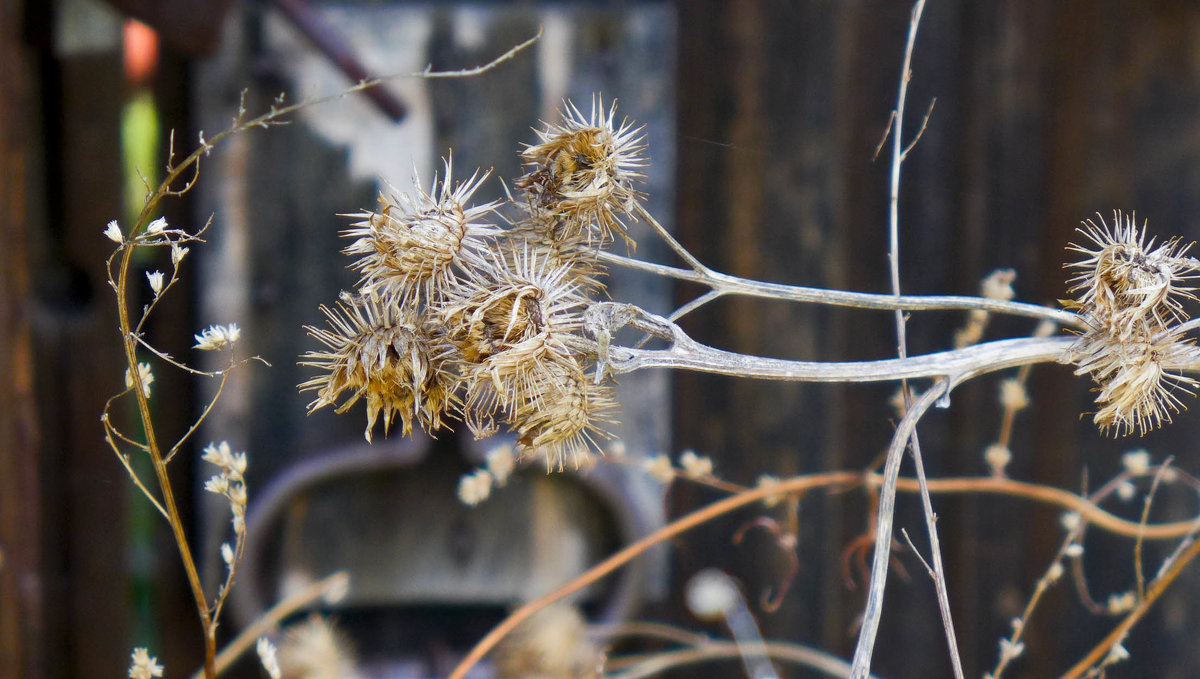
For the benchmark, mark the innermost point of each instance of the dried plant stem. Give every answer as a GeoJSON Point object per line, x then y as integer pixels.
{"type": "Point", "coordinates": [132, 340]}
{"type": "Point", "coordinates": [1156, 590]}
{"type": "Point", "coordinates": [814, 659]}
{"type": "Point", "coordinates": [883, 528]}
{"type": "Point", "coordinates": [687, 354]}
{"type": "Point", "coordinates": [1138, 569]}
{"type": "Point", "coordinates": [725, 284]}
{"type": "Point", "coordinates": [157, 459]}
{"type": "Point", "coordinates": [841, 480]}
{"type": "Point", "coordinates": [627, 554]}
{"type": "Point", "coordinates": [899, 152]}
{"type": "Point", "coordinates": [636, 628]}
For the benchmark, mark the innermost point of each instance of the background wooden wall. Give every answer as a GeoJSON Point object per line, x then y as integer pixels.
{"type": "Point", "coordinates": [1047, 113]}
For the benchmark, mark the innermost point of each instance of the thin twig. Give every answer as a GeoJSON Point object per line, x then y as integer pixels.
{"type": "Point", "coordinates": [1157, 588]}
{"type": "Point", "coordinates": [733, 285]}
{"type": "Point", "coordinates": [1145, 519]}
{"type": "Point", "coordinates": [658, 663]}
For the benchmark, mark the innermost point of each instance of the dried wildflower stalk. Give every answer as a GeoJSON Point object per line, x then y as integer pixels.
{"type": "Point", "coordinates": [229, 482]}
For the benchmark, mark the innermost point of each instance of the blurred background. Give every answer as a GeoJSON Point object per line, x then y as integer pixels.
{"type": "Point", "coordinates": [762, 120]}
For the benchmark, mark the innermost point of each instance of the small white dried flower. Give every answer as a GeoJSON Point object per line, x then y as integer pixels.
{"type": "Point", "coordinates": [219, 454]}
{"type": "Point", "coordinates": [659, 468]}
{"type": "Point", "coordinates": [156, 227]}
{"type": "Point", "coordinates": [338, 589]}
{"type": "Point", "coordinates": [1121, 603]}
{"type": "Point", "coordinates": [229, 482]}
{"type": "Point", "coordinates": [114, 233]}
{"type": "Point", "coordinates": [1126, 491]}
{"type": "Point", "coordinates": [145, 377]}
{"type": "Point", "coordinates": [218, 484]}
{"type": "Point", "coordinates": [156, 282]}
{"type": "Point", "coordinates": [1073, 550]}
{"type": "Point", "coordinates": [997, 457]}
{"type": "Point", "coordinates": [998, 285]}
{"type": "Point", "coordinates": [1116, 654]}
{"type": "Point", "coordinates": [143, 665]}
{"type": "Point", "coordinates": [1070, 520]}
{"type": "Point", "coordinates": [227, 553]}
{"type": "Point", "coordinates": [217, 337]}
{"type": "Point", "coordinates": [694, 465]}
{"type": "Point", "coordinates": [1010, 651]}
{"type": "Point", "coordinates": [617, 450]}
{"type": "Point", "coordinates": [500, 463]}
{"type": "Point", "coordinates": [767, 480]}
{"type": "Point", "coordinates": [1013, 395]}
{"type": "Point", "coordinates": [475, 487]}
{"type": "Point", "coordinates": [1055, 572]}
{"type": "Point", "coordinates": [1136, 462]}
{"type": "Point", "coordinates": [178, 252]}
{"type": "Point", "coordinates": [267, 655]}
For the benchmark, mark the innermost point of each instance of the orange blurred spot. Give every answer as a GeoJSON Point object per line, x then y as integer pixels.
{"type": "Point", "coordinates": [141, 51]}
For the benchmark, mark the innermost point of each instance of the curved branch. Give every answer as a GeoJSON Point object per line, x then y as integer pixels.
{"type": "Point", "coordinates": [604, 319]}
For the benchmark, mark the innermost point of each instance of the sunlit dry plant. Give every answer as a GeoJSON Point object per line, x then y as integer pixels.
{"type": "Point", "coordinates": [1130, 293]}
{"type": "Point", "coordinates": [412, 244]}
{"type": "Point", "coordinates": [516, 324]}
{"type": "Point", "coordinates": [387, 354]}
{"type": "Point", "coordinates": [582, 172]}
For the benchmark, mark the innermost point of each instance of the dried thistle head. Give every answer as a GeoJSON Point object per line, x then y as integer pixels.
{"type": "Point", "coordinates": [583, 171]}
{"type": "Point", "coordinates": [564, 418]}
{"type": "Point", "coordinates": [552, 239]}
{"type": "Point", "coordinates": [410, 247]}
{"type": "Point", "coordinates": [518, 302]}
{"type": "Point", "coordinates": [315, 649]}
{"type": "Point", "coordinates": [1130, 293]}
{"type": "Point", "coordinates": [1128, 284]}
{"type": "Point", "coordinates": [517, 329]}
{"type": "Point", "coordinates": [552, 644]}
{"type": "Point", "coordinates": [387, 354]}
{"type": "Point", "coordinates": [1138, 390]}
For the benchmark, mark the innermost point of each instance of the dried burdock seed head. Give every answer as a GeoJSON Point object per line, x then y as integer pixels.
{"type": "Point", "coordinates": [385, 353]}
{"type": "Point", "coordinates": [519, 302]}
{"type": "Point", "coordinates": [583, 171]}
{"type": "Point", "coordinates": [1130, 294]}
{"type": "Point", "coordinates": [412, 244]}
{"type": "Point", "coordinates": [552, 644]}
{"type": "Point", "coordinates": [315, 649]}
{"type": "Point", "coordinates": [551, 238]}
{"type": "Point", "coordinates": [1138, 391]}
{"type": "Point", "coordinates": [1126, 282]}
{"type": "Point", "coordinates": [563, 419]}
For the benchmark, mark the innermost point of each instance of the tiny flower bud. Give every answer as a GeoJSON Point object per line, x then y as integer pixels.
{"type": "Point", "coordinates": [156, 227]}
{"type": "Point", "coordinates": [114, 232]}
{"type": "Point", "coordinates": [659, 468]}
{"type": "Point", "coordinates": [267, 655]}
{"type": "Point", "coordinates": [156, 282]}
{"type": "Point", "coordinates": [695, 465]}
{"type": "Point", "coordinates": [1137, 462]}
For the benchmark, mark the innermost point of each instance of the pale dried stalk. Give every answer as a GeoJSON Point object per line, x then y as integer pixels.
{"type": "Point", "coordinates": [604, 319]}
{"type": "Point", "coordinates": [722, 284]}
